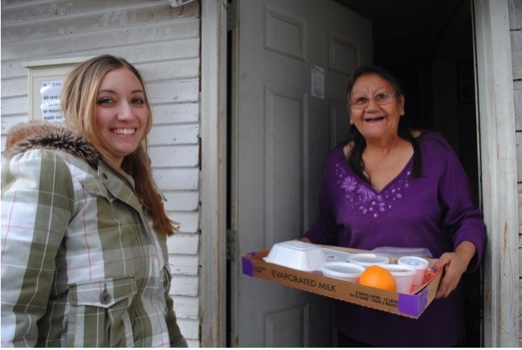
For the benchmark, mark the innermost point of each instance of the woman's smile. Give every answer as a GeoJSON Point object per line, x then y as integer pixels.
{"type": "Point", "coordinates": [124, 131]}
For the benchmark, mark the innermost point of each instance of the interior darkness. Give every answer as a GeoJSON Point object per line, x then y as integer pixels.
{"type": "Point", "coordinates": [428, 46]}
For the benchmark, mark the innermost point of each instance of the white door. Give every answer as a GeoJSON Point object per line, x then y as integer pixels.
{"type": "Point", "coordinates": [291, 65]}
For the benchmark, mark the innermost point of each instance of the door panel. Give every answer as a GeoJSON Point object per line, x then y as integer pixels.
{"type": "Point", "coordinates": [282, 130]}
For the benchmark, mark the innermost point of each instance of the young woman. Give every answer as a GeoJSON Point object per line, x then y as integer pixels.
{"type": "Point", "coordinates": [84, 232]}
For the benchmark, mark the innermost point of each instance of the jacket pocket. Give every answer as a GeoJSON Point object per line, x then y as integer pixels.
{"type": "Point", "coordinates": [96, 188]}
{"type": "Point", "coordinates": [100, 313]}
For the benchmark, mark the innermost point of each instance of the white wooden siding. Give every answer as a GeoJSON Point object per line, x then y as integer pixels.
{"type": "Point", "coordinates": [164, 44]}
{"type": "Point", "coordinates": [515, 24]}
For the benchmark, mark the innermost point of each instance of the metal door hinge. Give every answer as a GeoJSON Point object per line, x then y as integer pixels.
{"type": "Point", "coordinates": [231, 245]}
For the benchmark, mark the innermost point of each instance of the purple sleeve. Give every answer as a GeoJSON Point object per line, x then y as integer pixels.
{"type": "Point", "coordinates": [464, 220]}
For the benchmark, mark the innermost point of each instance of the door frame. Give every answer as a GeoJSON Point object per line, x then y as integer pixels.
{"type": "Point", "coordinates": [213, 181]}
{"type": "Point", "coordinates": [497, 151]}
{"type": "Point", "coordinates": [496, 135]}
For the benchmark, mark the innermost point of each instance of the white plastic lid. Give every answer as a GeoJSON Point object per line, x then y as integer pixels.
{"type": "Point", "coordinates": [368, 259]}
{"type": "Point", "coordinates": [414, 261]}
{"type": "Point", "coordinates": [342, 269]}
{"type": "Point", "coordinates": [400, 270]}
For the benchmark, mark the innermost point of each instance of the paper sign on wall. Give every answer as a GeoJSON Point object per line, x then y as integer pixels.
{"type": "Point", "coordinates": [50, 92]}
{"type": "Point", "coordinates": [318, 82]}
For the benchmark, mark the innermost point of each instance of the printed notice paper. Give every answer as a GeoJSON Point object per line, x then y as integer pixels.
{"type": "Point", "coordinates": [318, 82]}
{"type": "Point", "coordinates": [50, 92]}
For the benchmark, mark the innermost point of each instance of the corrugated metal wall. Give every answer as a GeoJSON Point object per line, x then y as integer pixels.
{"type": "Point", "coordinates": [164, 44]}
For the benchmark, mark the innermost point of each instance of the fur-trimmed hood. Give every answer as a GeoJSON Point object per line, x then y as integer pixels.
{"type": "Point", "coordinates": [43, 135]}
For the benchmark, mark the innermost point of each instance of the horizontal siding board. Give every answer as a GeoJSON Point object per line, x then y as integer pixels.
{"type": "Point", "coordinates": [182, 54]}
{"type": "Point", "coordinates": [20, 11]}
{"type": "Point", "coordinates": [172, 92]}
{"type": "Point", "coordinates": [190, 329]}
{"type": "Point", "coordinates": [14, 106]}
{"type": "Point", "coordinates": [16, 87]}
{"type": "Point", "coordinates": [184, 285]}
{"type": "Point", "coordinates": [91, 20]}
{"type": "Point", "coordinates": [188, 224]}
{"type": "Point", "coordinates": [183, 243]}
{"type": "Point", "coordinates": [175, 113]}
{"type": "Point", "coordinates": [174, 134]}
{"type": "Point", "coordinates": [169, 70]}
{"type": "Point", "coordinates": [192, 343]}
{"type": "Point", "coordinates": [177, 179]}
{"type": "Point", "coordinates": [186, 307]}
{"type": "Point", "coordinates": [180, 156]}
{"type": "Point", "coordinates": [86, 44]}
{"type": "Point", "coordinates": [184, 265]}
{"type": "Point", "coordinates": [9, 122]}
{"type": "Point", "coordinates": [181, 201]}
{"type": "Point", "coordinates": [179, 59]}
{"type": "Point", "coordinates": [171, 49]}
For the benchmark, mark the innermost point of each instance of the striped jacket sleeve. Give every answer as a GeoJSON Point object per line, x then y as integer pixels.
{"type": "Point", "coordinates": [37, 204]}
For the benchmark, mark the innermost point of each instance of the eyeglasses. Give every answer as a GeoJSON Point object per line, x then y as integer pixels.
{"type": "Point", "coordinates": [381, 99]}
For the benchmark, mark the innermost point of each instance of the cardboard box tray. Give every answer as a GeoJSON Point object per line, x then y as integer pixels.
{"type": "Point", "coordinates": [409, 305]}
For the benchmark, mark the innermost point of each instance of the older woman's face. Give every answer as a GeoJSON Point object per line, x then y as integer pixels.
{"type": "Point", "coordinates": [379, 119]}
{"type": "Point", "coordinates": [121, 113]}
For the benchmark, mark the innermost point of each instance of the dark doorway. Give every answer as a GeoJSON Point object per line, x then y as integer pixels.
{"type": "Point", "coordinates": [428, 45]}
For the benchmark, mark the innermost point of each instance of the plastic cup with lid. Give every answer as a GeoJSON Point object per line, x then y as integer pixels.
{"type": "Point", "coordinates": [418, 263]}
{"type": "Point", "coordinates": [342, 270]}
{"type": "Point", "coordinates": [403, 275]}
{"type": "Point", "coordinates": [368, 259]}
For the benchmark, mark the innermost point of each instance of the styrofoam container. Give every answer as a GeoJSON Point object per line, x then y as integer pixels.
{"type": "Point", "coordinates": [403, 275]}
{"type": "Point", "coordinates": [342, 270]}
{"type": "Point", "coordinates": [335, 255]}
{"type": "Point", "coordinates": [297, 255]}
{"type": "Point", "coordinates": [418, 263]}
{"type": "Point", "coordinates": [368, 259]}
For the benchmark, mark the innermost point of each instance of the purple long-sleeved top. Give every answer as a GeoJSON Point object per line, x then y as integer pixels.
{"type": "Point", "coordinates": [435, 211]}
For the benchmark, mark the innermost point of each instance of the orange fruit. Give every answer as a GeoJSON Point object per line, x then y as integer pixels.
{"type": "Point", "coordinates": [377, 277]}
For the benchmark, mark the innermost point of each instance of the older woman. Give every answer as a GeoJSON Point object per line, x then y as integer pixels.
{"type": "Point", "coordinates": [84, 231]}
{"type": "Point", "coordinates": [392, 186]}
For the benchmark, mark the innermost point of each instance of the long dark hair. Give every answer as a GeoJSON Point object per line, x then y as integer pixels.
{"type": "Point", "coordinates": [355, 159]}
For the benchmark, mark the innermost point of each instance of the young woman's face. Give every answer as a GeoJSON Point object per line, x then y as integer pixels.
{"type": "Point", "coordinates": [121, 113]}
{"type": "Point", "coordinates": [379, 119]}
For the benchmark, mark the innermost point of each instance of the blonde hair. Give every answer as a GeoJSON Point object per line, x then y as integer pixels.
{"type": "Point", "coordinates": [78, 102]}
